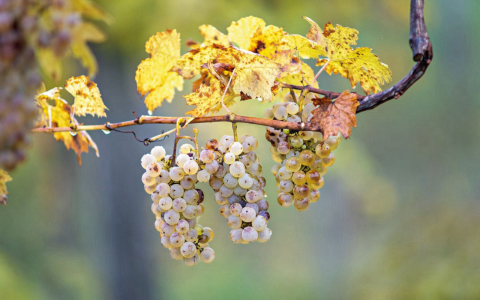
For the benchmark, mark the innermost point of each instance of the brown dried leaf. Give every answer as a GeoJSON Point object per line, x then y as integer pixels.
{"type": "Point", "coordinates": [337, 115]}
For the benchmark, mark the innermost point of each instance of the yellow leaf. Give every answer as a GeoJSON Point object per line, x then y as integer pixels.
{"type": "Point", "coordinates": [153, 74]}
{"type": "Point", "coordinates": [60, 115]}
{"type": "Point", "coordinates": [89, 9]}
{"type": "Point", "coordinates": [242, 31]}
{"type": "Point", "coordinates": [88, 99]}
{"type": "Point", "coordinates": [4, 178]}
{"type": "Point", "coordinates": [358, 65]}
{"type": "Point", "coordinates": [208, 99]}
{"type": "Point", "coordinates": [254, 74]}
{"type": "Point", "coordinates": [82, 34]}
{"type": "Point", "coordinates": [305, 47]}
{"type": "Point", "coordinates": [304, 76]}
{"type": "Point", "coordinates": [361, 65]}
{"type": "Point", "coordinates": [49, 62]}
{"type": "Point", "coordinates": [213, 36]}
{"type": "Point", "coordinates": [252, 34]}
{"type": "Point", "coordinates": [315, 33]}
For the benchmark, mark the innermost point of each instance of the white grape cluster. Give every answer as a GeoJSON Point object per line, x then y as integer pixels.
{"type": "Point", "coordinates": [234, 172]}
{"type": "Point", "coordinates": [177, 204]}
{"type": "Point", "coordinates": [303, 157]}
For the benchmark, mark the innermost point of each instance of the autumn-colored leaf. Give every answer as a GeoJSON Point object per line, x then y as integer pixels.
{"type": "Point", "coordinates": [88, 99]}
{"type": "Point", "coordinates": [315, 33]}
{"type": "Point", "coordinates": [59, 114]}
{"type": "Point", "coordinates": [4, 178]}
{"type": "Point", "coordinates": [208, 99]}
{"type": "Point", "coordinates": [305, 47]}
{"type": "Point", "coordinates": [75, 43]}
{"type": "Point", "coordinates": [254, 74]}
{"type": "Point", "coordinates": [154, 76]}
{"type": "Point", "coordinates": [302, 77]}
{"type": "Point", "coordinates": [91, 10]}
{"type": "Point", "coordinates": [358, 65]}
{"type": "Point", "coordinates": [82, 34]}
{"type": "Point", "coordinates": [252, 34]}
{"type": "Point", "coordinates": [242, 31]}
{"type": "Point", "coordinates": [213, 36]}
{"type": "Point", "coordinates": [337, 115]}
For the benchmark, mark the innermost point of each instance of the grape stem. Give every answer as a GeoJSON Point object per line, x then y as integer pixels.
{"type": "Point", "coordinates": [320, 72]}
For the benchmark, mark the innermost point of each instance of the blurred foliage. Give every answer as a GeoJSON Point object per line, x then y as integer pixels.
{"type": "Point", "coordinates": [398, 216]}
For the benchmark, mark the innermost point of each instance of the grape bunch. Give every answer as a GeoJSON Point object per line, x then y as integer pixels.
{"type": "Point", "coordinates": [177, 204]}
{"type": "Point", "coordinates": [19, 81]}
{"type": "Point", "coordinates": [303, 157]}
{"type": "Point", "coordinates": [30, 32]}
{"type": "Point", "coordinates": [234, 172]}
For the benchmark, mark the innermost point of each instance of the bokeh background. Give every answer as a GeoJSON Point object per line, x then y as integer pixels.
{"type": "Point", "coordinates": [399, 216]}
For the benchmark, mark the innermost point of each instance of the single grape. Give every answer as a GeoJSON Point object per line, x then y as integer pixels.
{"type": "Point", "coordinates": [235, 209]}
{"type": "Point", "coordinates": [300, 191]}
{"type": "Point", "coordinates": [248, 214]}
{"type": "Point", "coordinates": [177, 239]}
{"type": "Point", "coordinates": [147, 159]}
{"type": "Point", "coordinates": [313, 196]}
{"type": "Point", "coordinates": [292, 108]}
{"type": "Point", "coordinates": [307, 158]}
{"type": "Point", "coordinates": [280, 113]}
{"type": "Point", "coordinates": [158, 152]}
{"type": "Point", "coordinates": [165, 203]}
{"type": "Point", "coordinates": [192, 197]}
{"type": "Point", "coordinates": [285, 199]}
{"type": "Point", "coordinates": [182, 159]}
{"type": "Point", "coordinates": [186, 148]}
{"type": "Point", "coordinates": [172, 217]}
{"type": "Point", "coordinates": [153, 169]}
{"type": "Point", "coordinates": [260, 223]}
{"type": "Point", "coordinates": [249, 234]}
{"type": "Point", "coordinates": [179, 205]}
{"type": "Point", "coordinates": [176, 173]}
{"type": "Point", "coordinates": [236, 235]}
{"type": "Point", "coordinates": [229, 158]}
{"type": "Point", "coordinates": [190, 167]}
{"type": "Point", "coordinates": [237, 169]}
{"type": "Point", "coordinates": [286, 186]}
{"type": "Point", "coordinates": [175, 253]}
{"type": "Point", "coordinates": [207, 255]}
{"type": "Point", "coordinates": [234, 222]}
{"type": "Point", "coordinates": [322, 150]}
{"type": "Point", "coordinates": [212, 167]}
{"type": "Point", "coordinates": [264, 235]}
{"type": "Point", "coordinates": [329, 160]}
{"type": "Point", "coordinates": [236, 148]}
{"type": "Point", "coordinates": [176, 191]}
{"type": "Point", "coordinates": [301, 204]}
{"type": "Point", "coordinates": [191, 235]}
{"type": "Point", "coordinates": [147, 180]}
{"type": "Point", "coordinates": [293, 164]}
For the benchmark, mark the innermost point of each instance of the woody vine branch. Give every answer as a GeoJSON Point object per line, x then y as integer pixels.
{"type": "Point", "coordinates": [422, 55]}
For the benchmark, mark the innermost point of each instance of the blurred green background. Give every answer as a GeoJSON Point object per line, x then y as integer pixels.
{"type": "Point", "coordinates": [399, 216]}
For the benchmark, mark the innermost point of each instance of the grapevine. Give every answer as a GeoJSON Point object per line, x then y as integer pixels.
{"type": "Point", "coordinates": [252, 61]}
